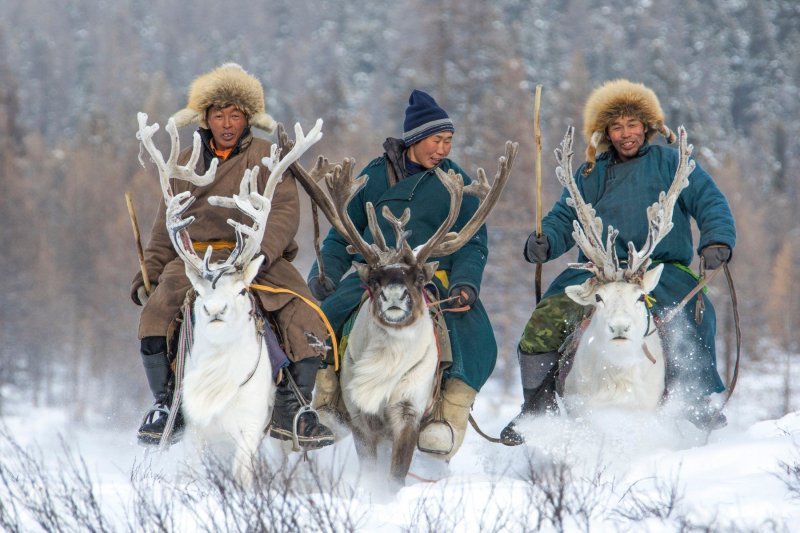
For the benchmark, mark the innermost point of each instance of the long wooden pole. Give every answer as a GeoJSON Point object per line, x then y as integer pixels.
{"type": "Point", "coordinates": [537, 136]}
{"type": "Point", "coordinates": [317, 251]}
{"type": "Point", "coordinates": [138, 240]}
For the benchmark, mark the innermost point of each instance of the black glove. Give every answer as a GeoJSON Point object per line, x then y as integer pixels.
{"type": "Point", "coordinates": [321, 289]}
{"type": "Point", "coordinates": [536, 248]}
{"type": "Point", "coordinates": [466, 295]}
{"type": "Point", "coordinates": [715, 255]}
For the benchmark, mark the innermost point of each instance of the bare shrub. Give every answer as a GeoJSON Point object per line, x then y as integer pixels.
{"type": "Point", "coordinates": [61, 499]}
{"type": "Point", "coordinates": [790, 475]}
{"type": "Point", "coordinates": [562, 497]}
{"type": "Point", "coordinates": [60, 495]}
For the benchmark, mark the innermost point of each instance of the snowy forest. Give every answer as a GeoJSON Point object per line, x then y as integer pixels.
{"type": "Point", "coordinates": [75, 73]}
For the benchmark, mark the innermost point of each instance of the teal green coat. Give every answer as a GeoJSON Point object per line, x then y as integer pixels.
{"type": "Point", "coordinates": [471, 335]}
{"type": "Point", "coordinates": [620, 193]}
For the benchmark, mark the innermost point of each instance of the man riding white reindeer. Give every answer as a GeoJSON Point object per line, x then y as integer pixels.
{"type": "Point", "coordinates": [404, 178]}
{"type": "Point", "coordinates": [623, 175]}
{"type": "Point", "coordinates": [227, 102]}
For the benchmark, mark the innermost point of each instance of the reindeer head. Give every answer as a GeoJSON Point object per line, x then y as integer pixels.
{"type": "Point", "coordinates": [395, 276]}
{"type": "Point", "coordinates": [618, 295]}
{"type": "Point", "coordinates": [221, 295]}
{"type": "Point", "coordinates": [620, 309]}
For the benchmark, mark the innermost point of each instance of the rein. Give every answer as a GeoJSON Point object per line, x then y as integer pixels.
{"type": "Point", "coordinates": [737, 325]}
{"type": "Point", "coordinates": [493, 440]}
{"type": "Point", "coordinates": [462, 309]}
{"type": "Point", "coordinates": [705, 280]}
{"type": "Point", "coordinates": [260, 337]}
{"type": "Point", "coordinates": [184, 346]}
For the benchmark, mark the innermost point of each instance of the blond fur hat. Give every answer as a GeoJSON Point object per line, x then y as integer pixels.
{"type": "Point", "coordinates": [228, 84]}
{"type": "Point", "coordinates": [615, 99]}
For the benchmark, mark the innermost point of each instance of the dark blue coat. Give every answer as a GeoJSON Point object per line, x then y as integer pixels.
{"type": "Point", "coordinates": [620, 193]}
{"type": "Point", "coordinates": [471, 335]}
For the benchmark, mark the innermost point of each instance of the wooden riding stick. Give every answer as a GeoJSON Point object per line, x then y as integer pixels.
{"type": "Point", "coordinates": [138, 240]}
{"type": "Point", "coordinates": [317, 251]}
{"type": "Point", "coordinates": [537, 136]}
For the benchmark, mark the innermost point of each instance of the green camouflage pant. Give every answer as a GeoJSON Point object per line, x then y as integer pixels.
{"type": "Point", "coordinates": [550, 323]}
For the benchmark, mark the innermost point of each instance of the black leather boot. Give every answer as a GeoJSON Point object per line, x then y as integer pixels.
{"type": "Point", "coordinates": [293, 417]}
{"type": "Point", "coordinates": [160, 379]}
{"type": "Point", "coordinates": [539, 373]}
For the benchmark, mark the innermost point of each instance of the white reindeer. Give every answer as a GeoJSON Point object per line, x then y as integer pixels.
{"type": "Point", "coordinates": [389, 365]}
{"type": "Point", "coordinates": [228, 392]}
{"type": "Point", "coordinates": [620, 359]}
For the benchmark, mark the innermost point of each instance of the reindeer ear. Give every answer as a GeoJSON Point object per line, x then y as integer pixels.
{"type": "Point", "coordinates": [362, 269]}
{"type": "Point", "coordinates": [194, 276]}
{"type": "Point", "coordinates": [651, 277]}
{"type": "Point", "coordinates": [580, 293]}
{"type": "Point", "coordinates": [251, 270]}
{"type": "Point", "coordinates": [430, 269]}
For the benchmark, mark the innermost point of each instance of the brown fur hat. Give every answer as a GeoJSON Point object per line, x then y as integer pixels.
{"type": "Point", "coordinates": [228, 84]}
{"type": "Point", "coordinates": [615, 99]}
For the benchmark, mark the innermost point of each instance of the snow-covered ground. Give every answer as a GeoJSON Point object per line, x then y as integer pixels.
{"type": "Point", "coordinates": [614, 473]}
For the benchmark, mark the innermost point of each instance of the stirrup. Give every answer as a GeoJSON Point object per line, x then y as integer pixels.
{"type": "Point", "coordinates": [301, 443]}
{"type": "Point", "coordinates": [152, 438]}
{"type": "Point", "coordinates": [295, 436]}
{"type": "Point", "coordinates": [443, 423]}
{"type": "Point", "coordinates": [149, 416]}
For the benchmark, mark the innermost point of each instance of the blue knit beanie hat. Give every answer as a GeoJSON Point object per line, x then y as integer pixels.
{"type": "Point", "coordinates": [424, 117]}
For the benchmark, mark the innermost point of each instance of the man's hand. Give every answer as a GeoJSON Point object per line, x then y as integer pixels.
{"type": "Point", "coordinates": [321, 289]}
{"type": "Point", "coordinates": [465, 295]}
{"type": "Point", "coordinates": [715, 255]}
{"type": "Point", "coordinates": [140, 297]}
{"type": "Point", "coordinates": [536, 248]}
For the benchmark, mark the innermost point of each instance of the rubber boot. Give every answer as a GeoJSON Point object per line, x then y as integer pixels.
{"type": "Point", "coordinates": [160, 379]}
{"type": "Point", "coordinates": [327, 394]}
{"type": "Point", "coordinates": [293, 417]}
{"type": "Point", "coordinates": [443, 438]}
{"type": "Point", "coordinates": [705, 416]}
{"type": "Point", "coordinates": [538, 372]}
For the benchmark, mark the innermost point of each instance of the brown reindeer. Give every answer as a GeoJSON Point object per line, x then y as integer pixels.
{"type": "Point", "coordinates": [389, 365]}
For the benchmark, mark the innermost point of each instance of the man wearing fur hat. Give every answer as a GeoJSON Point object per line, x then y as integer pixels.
{"type": "Point", "coordinates": [404, 177]}
{"type": "Point", "coordinates": [623, 175]}
{"type": "Point", "coordinates": [227, 102]}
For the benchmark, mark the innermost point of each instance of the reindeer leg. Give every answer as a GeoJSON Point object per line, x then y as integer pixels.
{"type": "Point", "coordinates": [404, 421]}
{"type": "Point", "coordinates": [244, 459]}
{"type": "Point", "coordinates": [366, 446]}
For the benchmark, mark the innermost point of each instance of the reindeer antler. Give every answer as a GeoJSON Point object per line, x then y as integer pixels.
{"type": "Point", "coordinates": [602, 260]}
{"type": "Point", "coordinates": [249, 201]}
{"type": "Point", "coordinates": [487, 195]}
{"type": "Point", "coordinates": [659, 215]}
{"type": "Point", "coordinates": [342, 187]}
{"type": "Point", "coordinates": [170, 168]}
{"type": "Point", "coordinates": [588, 228]}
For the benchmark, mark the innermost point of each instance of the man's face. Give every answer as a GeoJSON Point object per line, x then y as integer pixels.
{"type": "Point", "coordinates": [430, 151]}
{"type": "Point", "coordinates": [226, 125]}
{"type": "Point", "coordinates": [627, 136]}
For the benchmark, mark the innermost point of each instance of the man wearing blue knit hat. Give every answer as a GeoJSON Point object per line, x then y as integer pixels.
{"type": "Point", "coordinates": [403, 177]}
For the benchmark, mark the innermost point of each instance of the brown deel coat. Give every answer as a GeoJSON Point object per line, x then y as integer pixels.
{"type": "Point", "coordinates": [166, 270]}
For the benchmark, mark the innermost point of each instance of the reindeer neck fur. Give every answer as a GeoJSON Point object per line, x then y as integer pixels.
{"type": "Point", "coordinates": [226, 348]}
{"type": "Point", "coordinates": [387, 363]}
{"type": "Point", "coordinates": [610, 366]}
